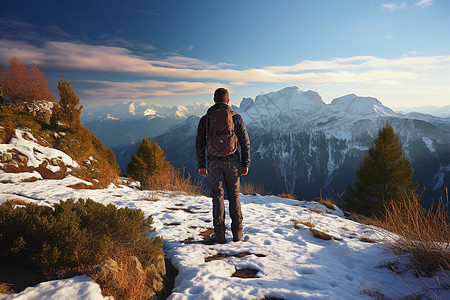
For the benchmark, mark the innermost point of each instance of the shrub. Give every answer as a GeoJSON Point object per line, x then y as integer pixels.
{"type": "Point", "coordinates": [77, 235]}
{"type": "Point", "coordinates": [172, 181]}
{"type": "Point", "coordinates": [425, 234]}
{"type": "Point", "coordinates": [82, 145]}
{"type": "Point", "coordinates": [20, 84]}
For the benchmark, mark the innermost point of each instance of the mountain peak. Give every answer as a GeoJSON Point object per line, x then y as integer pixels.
{"type": "Point", "coordinates": [361, 106]}
{"type": "Point", "coordinates": [292, 96]}
{"type": "Point", "coordinates": [137, 110]}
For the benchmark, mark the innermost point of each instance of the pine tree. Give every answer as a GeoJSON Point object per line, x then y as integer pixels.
{"type": "Point", "coordinates": [149, 159]}
{"type": "Point", "coordinates": [68, 113]}
{"type": "Point", "coordinates": [382, 176]}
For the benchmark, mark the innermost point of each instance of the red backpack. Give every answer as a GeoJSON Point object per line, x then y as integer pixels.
{"type": "Point", "coordinates": [220, 137]}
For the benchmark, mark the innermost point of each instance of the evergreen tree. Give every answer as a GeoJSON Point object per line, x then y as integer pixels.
{"type": "Point", "coordinates": [68, 113]}
{"type": "Point", "coordinates": [149, 159]}
{"type": "Point", "coordinates": [382, 176]}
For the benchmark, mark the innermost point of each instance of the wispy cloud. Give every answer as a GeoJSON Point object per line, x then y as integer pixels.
{"type": "Point", "coordinates": [180, 75]}
{"type": "Point", "coordinates": [389, 6]}
{"type": "Point", "coordinates": [403, 5]}
{"type": "Point", "coordinates": [424, 3]}
{"type": "Point", "coordinates": [141, 89]}
{"type": "Point", "coordinates": [141, 11]}
{"type": "Point", "coordinates": [106, 59]}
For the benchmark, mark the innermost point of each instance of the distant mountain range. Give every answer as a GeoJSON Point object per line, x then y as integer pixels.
{"type": "Point", "coordinates": [122, 126]}
{"type": "Point", "coordinates": [298, 142]}
{"type": "Point", "coordinates": [312, 147]}
{"type": "Point", "coordinates": [443, 112]}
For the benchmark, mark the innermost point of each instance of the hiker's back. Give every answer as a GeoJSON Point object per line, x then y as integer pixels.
{"type": "Point", "coordinates": [221, 139]}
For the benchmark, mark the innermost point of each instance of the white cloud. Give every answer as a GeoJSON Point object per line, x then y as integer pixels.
{"type": "Point", "coordinates": [180, 75]}
{"type": "Point", "coordinates": [403, 5]}
{"type": "Point", "coordinates": [389, 6]}
{"type": "Point", "coordinates": [141, 89]}
{"type": "Point", "coordinates": [88, 58]}
{"type": "Point", "coordinates": [424, 3]}
{"type": "Point", "coordinates": [410, 53]}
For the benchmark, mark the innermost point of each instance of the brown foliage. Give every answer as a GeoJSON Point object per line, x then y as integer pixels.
{"type": "Point", "coordinates": [287, 195]}
{"type": "Point", "coordinates": [322, 235]}
{"type": "Point", "coordinates": [20, 84]}
{"type": "Point", "coordinates": [425, 234]}
{"type": "Point", "coordinates": [328, 203]}
{"type": "Point", "coordinates": [5, 288]}
{"type": "Point", "coordinates": [171, 180]}
{"type": "Point", "coordinates": [124, 277]}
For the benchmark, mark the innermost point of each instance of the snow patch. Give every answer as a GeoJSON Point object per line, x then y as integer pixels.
{"type": "Point", "coordinates": [310, 267]}
{"type": "Point", "coordinates": [24, 143]}
{"type": "Point", "coordinates": [429, 143]}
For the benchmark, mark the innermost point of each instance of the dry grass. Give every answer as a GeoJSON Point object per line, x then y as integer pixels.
{"type": "Point", "coordinates": [425, 234]}
{"type": "Point", "coordinates": [172, 181]}
{"type": "Point", "coordinates": [249, 188]}
{"type": "Point", "coordinates": [322, 235]}
{"type": "Point", "coordinates": [16, 201]}
{"type": "Point", "coordinates": [328, 203]}
{"type": "Point", "coordinates": [316, 210]}
{"type": "Point", "coordinates": [124, 277]}
{"type": "Point", "coordinates": [205, 234]}
{"type": "Point", "coordinates": [363, 219]}
{"type": "Point", "coordinates": [289, 192]}
{"type": "Point", "coordinates": [152, 197]}
{"type": "Point", "coordinates": [287, 195]}
{"type": "Point", "coordinates": [5, 288]}
{"type": "Point", "coordinates": [304, 223]}
{"type": "Point", "coordinates": [367, 240]}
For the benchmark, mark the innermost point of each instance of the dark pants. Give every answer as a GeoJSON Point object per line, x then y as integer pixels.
{"type": "Point", "coordinates": [226, 175]}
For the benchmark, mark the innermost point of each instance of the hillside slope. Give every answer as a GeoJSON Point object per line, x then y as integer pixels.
{"type": "Point", "coordinates": [284, 258]}
{"type": "Point", "coordinates": [29, 145]}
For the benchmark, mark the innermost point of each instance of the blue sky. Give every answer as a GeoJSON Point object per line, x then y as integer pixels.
{"type": "Point", "coordinates": [177, 52]}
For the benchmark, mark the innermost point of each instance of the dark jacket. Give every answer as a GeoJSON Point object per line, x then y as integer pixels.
{"type": "Point", "coordinates": [240, 131]}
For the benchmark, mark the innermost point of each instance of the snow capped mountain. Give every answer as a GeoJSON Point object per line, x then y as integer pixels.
{"type": "Point", "coordinates": [362, 107]}
{"type": "Point", "coordinates": [443, 112]}
{"type": "Point", "coordinates": [122, 126]}
{"type": "Point", "coordinates": [301, 249]}
{"type": "Point", "coordinates": [317, 147]}
{"type": "Point", "coordinates": [139, 110]}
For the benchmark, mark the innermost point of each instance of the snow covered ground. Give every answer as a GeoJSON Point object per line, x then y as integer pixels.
{"type": "Point", "coordinates": [290, 262]}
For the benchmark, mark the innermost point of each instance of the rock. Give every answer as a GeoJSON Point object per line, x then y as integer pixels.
{"type": "Point", "coordinates": [5, 157]}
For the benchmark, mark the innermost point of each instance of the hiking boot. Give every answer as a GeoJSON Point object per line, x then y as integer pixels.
{"type": "Point", "coordinates": [237, 235]}
{"type": "Point", "coordinates": [216, 238]}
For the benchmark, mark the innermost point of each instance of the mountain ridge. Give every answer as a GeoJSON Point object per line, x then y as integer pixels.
{"type": "Point", "coordinates": [299, 141]}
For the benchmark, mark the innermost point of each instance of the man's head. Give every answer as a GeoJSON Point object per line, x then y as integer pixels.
{"type": "Point", "coordinates": [221, 96]}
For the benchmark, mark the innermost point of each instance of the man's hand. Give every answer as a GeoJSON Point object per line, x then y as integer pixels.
{"type": "Point", "coordinates": [244, 171]}
{"type": "Point", "coordinates": [202, 172]}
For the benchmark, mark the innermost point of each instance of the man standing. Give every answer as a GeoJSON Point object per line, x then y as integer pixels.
{"type": "Point", "coordinates": [219, 132]}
